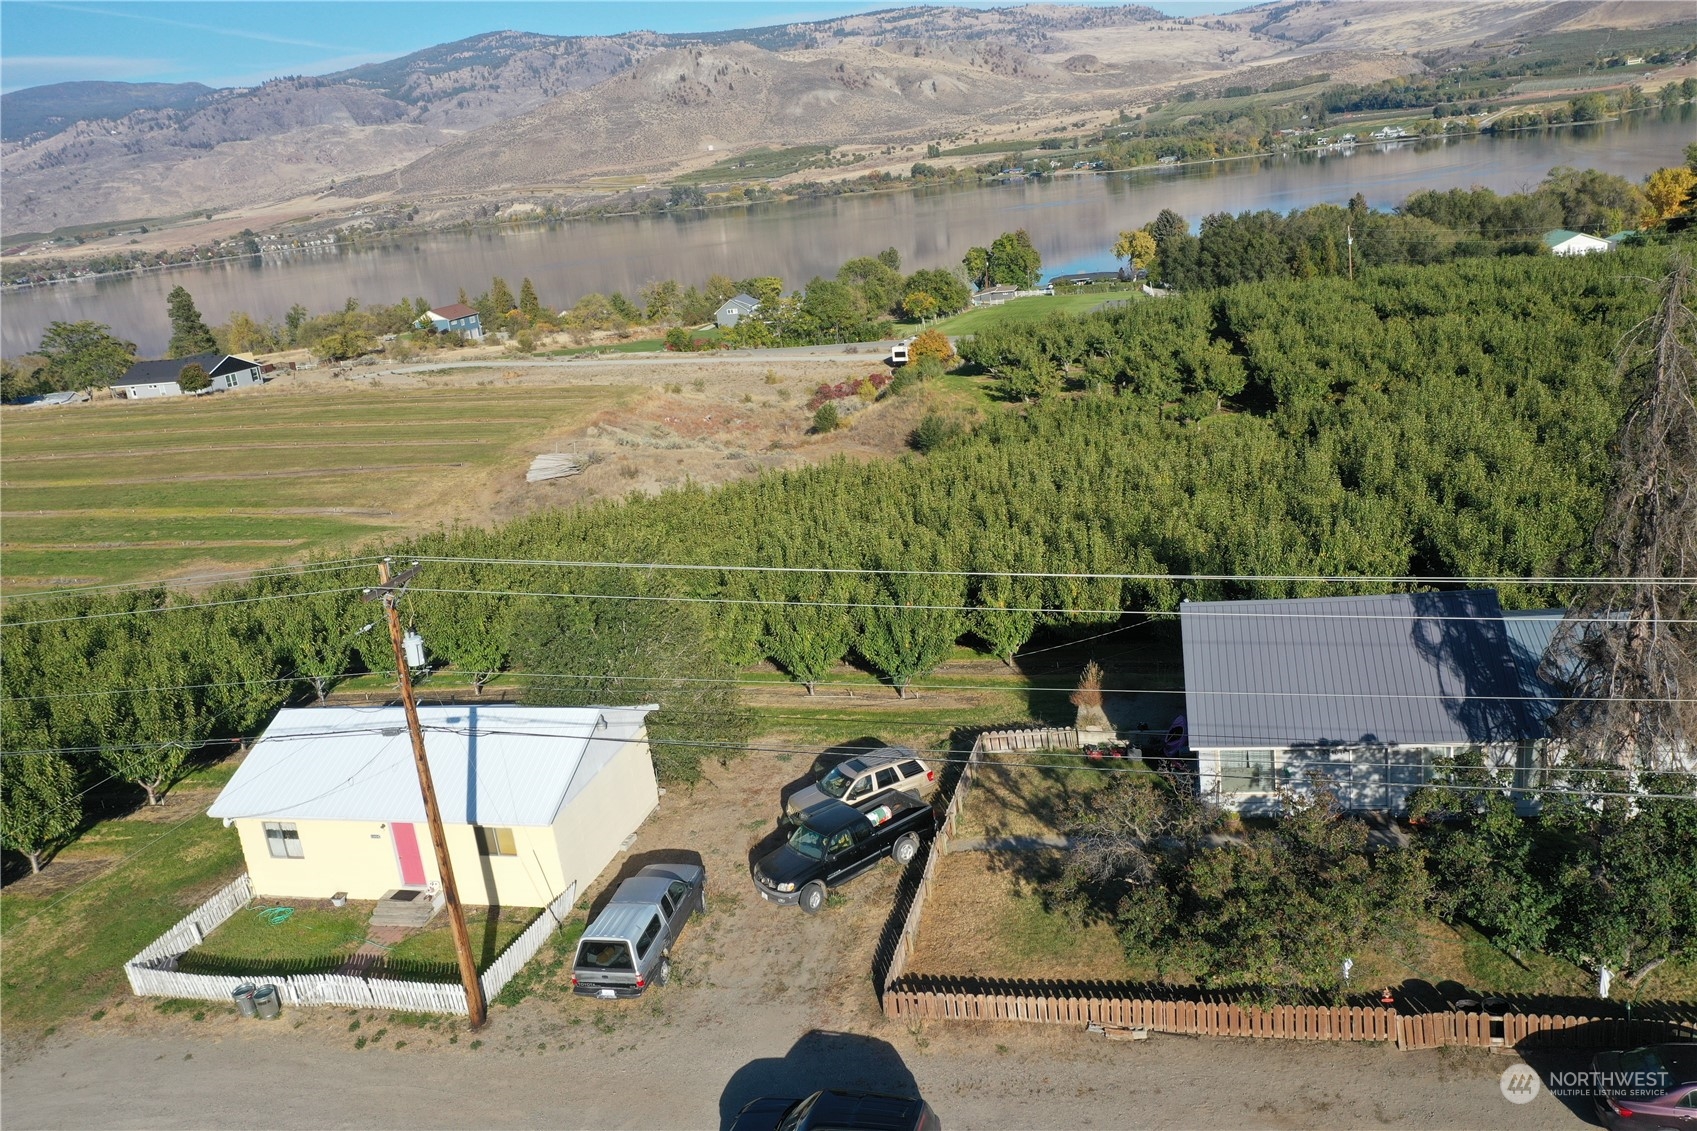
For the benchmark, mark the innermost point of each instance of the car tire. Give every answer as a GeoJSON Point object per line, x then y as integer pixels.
{"type": "Point", "coordinates": [812, 897]}
{"type": "Point", "coordinates": [664, 974]}
{"type": "Point", "coordinates": [905, 849]}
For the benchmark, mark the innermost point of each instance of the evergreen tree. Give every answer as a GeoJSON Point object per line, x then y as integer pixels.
{"type": "Point", "coordinates": [189, 334]}
{"type": "Point", "coordinates": [501, 297]}
{"type": "Point", "coordinates": [529, 304]}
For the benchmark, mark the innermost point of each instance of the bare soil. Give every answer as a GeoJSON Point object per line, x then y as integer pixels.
{"type": "Point", "coordinates": [669, 420]}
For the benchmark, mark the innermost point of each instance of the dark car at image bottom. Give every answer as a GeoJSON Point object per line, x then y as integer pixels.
{"type": "Point", "coordinates": [838, 1111]}
{"type": "Point", "coordinates": [1650, 1087]}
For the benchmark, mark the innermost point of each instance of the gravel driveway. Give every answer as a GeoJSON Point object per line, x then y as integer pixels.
{"type": "Point", "coordinates": [764, 1001]}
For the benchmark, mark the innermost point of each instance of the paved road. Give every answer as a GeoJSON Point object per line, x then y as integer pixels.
{"type": "Point", "coordinates": [875, 352]}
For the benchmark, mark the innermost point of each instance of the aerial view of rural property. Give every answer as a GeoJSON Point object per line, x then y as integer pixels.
{"type": "Point", "coordinates": [831, 564]}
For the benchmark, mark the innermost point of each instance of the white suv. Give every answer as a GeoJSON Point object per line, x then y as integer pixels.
{"type": "Point", "coordinates": [853, 781]}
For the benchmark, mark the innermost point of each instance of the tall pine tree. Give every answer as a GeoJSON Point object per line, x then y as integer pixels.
{"type": "Point", "coordinates": [189, 334]}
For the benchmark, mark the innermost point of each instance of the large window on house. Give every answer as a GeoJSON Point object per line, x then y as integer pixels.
{"type": "Point", "coordinates": [495, 842]}
{"type": "Point", "coordinates": [283, 839]}
{"type": "Point", "coordinates": [1246, 771]}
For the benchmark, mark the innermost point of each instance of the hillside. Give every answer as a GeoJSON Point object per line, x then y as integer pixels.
{"type": "Point", "coordinates": [513, 109]}
{"type": "Point", "coordinates": [41, 111]}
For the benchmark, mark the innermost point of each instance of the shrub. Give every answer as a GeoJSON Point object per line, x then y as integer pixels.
{"type": "Point", "coordinates": [192, 378]}
{"type": "Point", "coordinates": [825, 418]}
{"type": "Point", "coordinates": [933, 432]}
{"type": "Point", "coordinates": [932, 344]}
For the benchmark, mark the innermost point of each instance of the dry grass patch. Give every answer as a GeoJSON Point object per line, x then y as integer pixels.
{"type": "Point", "coordinates": [984, 918]}
{"type": "Point", "coordinates": [1031, 795]}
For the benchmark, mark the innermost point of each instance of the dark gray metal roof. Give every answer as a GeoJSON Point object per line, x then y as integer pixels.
{"type": "Point", "coordinates": [167, 369]}
{"type": "Point", "coordinates": [1407, 668]}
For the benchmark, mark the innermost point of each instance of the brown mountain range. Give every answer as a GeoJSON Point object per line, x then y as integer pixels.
{"type": "Point", "coordinates": [513, 111]}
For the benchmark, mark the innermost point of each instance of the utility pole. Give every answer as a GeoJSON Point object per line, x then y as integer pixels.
{"type": "Point", "coordinates": [476, 1009]}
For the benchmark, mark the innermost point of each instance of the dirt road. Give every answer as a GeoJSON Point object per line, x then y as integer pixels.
{"type": "Point", "coordinates": [764, 1001]}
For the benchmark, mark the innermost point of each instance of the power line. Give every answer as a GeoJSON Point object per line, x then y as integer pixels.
{"type": "Point", "coordinates": [592, 677]}
{"type": "Point", "coordinates": [1035, 611]}
{"type": "Point", "coordinates": [196, 579]}
{"type": "Point", "coordinates": [178, 608]}
{"type": "Point", "coordinates": [940, 754]}
{"type": "Point", "coordinates": [1340, 579]}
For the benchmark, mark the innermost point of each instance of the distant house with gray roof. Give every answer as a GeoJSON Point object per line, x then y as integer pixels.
{"type": "Point", "coordinates": [735, 309]}
{"type": "Point", "coordinates": [148, 379]}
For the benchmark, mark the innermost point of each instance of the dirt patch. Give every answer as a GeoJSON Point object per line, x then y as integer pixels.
{"type": "Point", "coordinates": [669, 420]}
{"type": "Point", "coordinates": [174, 806]}
{"type": "Point", "coordinates": [62, 876]}
{"type": "Point", "coordinates": [1030, 800]}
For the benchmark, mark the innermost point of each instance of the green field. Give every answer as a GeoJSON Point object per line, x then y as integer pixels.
{"type": "Point", "coordinates": [119, 491]}
{"type": "Point", "coordinates": [760, 164]}
{"type": "Point", "coordinates": [1020, 311]}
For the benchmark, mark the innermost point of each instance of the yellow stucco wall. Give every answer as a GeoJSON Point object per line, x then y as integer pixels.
{"type": "Point", "coordinates": [615, 804]}
{"type": "Point", "coordinates": [358, 857]}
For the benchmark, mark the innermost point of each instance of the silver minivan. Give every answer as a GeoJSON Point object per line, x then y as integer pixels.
{"type": "Point", "coordinates": [629, 946]}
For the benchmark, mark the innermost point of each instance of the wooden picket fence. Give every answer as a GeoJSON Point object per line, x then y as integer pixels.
{"type": "Point", "coordinates": [153, 972]}
{"type": "Point", "coordinates": [1113, 1005]}
{"type": "Point", "coordinates": [1199, 1018]}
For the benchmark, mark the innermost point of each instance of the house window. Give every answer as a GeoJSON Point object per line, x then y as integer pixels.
{"type": "Point", "coordinates": [1246, 771]}
{"type": "Point", "coordinates": [283, 839]}
{"type": "Point", "coordinates": [495, 842]}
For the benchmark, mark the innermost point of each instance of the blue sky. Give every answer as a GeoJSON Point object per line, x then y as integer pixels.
{"type": "Point", "coordinates": [232, 43]}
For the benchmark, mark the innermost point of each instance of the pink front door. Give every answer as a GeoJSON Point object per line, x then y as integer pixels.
{"type": "Point", "coordinates": [406, 851]}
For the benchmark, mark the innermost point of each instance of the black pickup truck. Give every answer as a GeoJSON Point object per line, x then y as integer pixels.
{"type": "Point", "coordinates": [833, 842]}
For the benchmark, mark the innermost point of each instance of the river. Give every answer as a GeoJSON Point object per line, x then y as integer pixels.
{"type": "Point", "coordinates": [1072, 220]}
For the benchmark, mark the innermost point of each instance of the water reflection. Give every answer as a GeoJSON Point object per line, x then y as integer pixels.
{"type": "Point", "coordinates": [1072, 220]}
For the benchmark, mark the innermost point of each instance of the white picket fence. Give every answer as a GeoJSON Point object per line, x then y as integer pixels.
{"type": "Point", "coordinates": [524, 948]}
{"type": "Point", "coordinates": [153, 972]}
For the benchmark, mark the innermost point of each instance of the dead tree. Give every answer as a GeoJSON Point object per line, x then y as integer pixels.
{"type": "Point", "coordinates": [1627, 653]}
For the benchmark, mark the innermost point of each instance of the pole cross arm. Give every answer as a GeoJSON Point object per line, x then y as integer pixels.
{"type": "Point", "coordinates": [392, 586]}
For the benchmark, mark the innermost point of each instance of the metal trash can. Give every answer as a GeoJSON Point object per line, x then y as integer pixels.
{"type": "Point", "coordinates": [243, 996]}
{"type": "Point", "coordinates": [265, 1003]}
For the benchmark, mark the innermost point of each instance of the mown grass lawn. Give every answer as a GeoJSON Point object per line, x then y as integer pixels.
{"type": "Point", "coordinates": [118, 491]}
{"type": "Point", "coordinates": [1019, 312]}
{"type": "Point", "coordinates": [287, 937]}
{"type": "Point", "coordinates": [259, 939]}
{"type": "Point", "coordinates": [67, 933]}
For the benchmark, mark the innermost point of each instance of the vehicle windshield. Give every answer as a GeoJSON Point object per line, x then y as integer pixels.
{"type": "Point", "coordinates": [836, 782]}
{"type": "Point", "coordinates": [807, 842]}
{"type": "Point", "coordinates": [599, 955]}
{"type": "Point", "coordinates": [792, 1118]}
{"type": "Point", "coordinates": [1645, 1061]}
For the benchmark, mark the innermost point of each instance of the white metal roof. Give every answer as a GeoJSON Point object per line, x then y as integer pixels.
{"type": "Point", "coordinates": [500, 765]}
